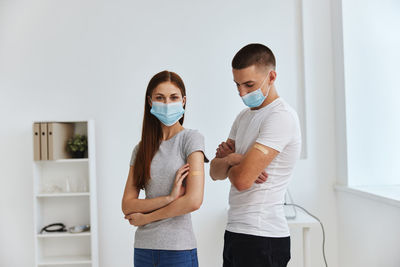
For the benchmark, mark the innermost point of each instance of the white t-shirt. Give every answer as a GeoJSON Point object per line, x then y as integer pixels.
{"type": "Point", "coordinates": [259, 210]}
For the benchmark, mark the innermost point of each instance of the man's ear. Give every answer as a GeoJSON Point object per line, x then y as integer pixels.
{"type": "Point", "coordinates": [273, 76]}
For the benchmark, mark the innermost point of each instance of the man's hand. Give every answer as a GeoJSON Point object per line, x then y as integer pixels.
{"type": "Point", "coordinates": [225, 148]}
{"type": "Point", "coordinates": [262, 178]}
{"type": "Point", "coordinates": [137, 219]}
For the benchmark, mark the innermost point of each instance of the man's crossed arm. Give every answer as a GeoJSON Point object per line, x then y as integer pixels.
{"type": "Point", "coordinates": [242, 170]}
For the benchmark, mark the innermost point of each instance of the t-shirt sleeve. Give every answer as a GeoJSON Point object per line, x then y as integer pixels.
{"type": "Point", "coordinates": [194, 142]}
{"type": "Point", "coordinates": [232, 133]}
{"type": "Point", "coordinates": [133, 156]}
{"type": "Point", "coordinates": [277, 130]}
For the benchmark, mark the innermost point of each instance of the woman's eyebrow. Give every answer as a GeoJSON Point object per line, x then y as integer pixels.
{"type": "Point", "coordinates": [160, 94]}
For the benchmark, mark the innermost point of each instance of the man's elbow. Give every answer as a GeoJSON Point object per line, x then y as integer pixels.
{"type": "Point", "coordinates": [213, 175]}
{"type": "Point", "coordinates": [242, 186]}
{"type": "Point", "coordinates": [216, 173]}
{"type": "Point", "coordinates": [212, 170]}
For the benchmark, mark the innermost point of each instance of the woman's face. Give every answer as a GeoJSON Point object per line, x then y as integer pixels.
{"type": "Point", "coordinates": [167, 92]}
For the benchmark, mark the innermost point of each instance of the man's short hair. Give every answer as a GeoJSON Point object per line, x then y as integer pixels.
{"type": "Point", "coordinates": [253, 54]}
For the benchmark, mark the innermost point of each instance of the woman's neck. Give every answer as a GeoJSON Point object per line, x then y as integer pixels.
{"type": "Point", "coordinates": [170, 131]}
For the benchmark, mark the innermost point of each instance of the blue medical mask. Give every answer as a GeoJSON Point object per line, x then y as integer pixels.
{"type": "Point", "coordinates": [168, 114]}
{"type": "Point", "coordinates": [255, 98]}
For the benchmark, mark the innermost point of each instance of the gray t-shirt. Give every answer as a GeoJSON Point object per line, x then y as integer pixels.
{"type": "Point", "coordinates": [173, 233]}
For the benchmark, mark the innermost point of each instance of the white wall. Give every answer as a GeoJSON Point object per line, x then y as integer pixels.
{"type": "Point", "coordinates": [368, 229]}
{"type": "Point", "coordinates": [92, 59]}
{"type": "Point", "coordinates": [371, 56]}
{"type": "Point", "coordinates": [369, 232]}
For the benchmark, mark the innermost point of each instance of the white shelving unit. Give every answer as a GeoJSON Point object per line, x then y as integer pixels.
{"type": "Point", "coordinates": [64, 191]}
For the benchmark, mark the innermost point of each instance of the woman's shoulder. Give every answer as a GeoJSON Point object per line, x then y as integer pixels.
{"type": "Point", "coordinates": [193, 141]}
{"type": "Point", "coordinates": [136, 147]}
{"type": "Point", "coordinates": [190, 133]}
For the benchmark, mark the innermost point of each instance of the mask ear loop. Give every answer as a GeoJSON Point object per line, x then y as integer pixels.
{"type": "Point", "coordinates": [263, 84]}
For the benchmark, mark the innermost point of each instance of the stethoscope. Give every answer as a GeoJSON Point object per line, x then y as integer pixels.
{"type": "Point", "coordinates": [54, 227]}
{"type": "Point", "coordinates": [60, 227]}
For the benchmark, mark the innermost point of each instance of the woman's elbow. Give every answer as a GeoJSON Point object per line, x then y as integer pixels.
{"type": "Point", "coordinates": [195, 204]}
{"type": "Point", "coordinates": [125, 206]}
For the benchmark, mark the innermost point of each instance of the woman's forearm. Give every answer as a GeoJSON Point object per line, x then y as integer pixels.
{"type": "Point", "coordinates": [180, 206]}
{"type": "Point", "coordinates": [135, 205]}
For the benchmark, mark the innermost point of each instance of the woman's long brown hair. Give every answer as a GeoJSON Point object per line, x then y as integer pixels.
{"type": "Point", "coordinates": [151, 130]}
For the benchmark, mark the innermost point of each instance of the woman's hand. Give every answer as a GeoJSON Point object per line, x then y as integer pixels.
{"type": "Point", "coordinates": [137, 219]}
{"type": "Point", "coordinates": [178, 189]}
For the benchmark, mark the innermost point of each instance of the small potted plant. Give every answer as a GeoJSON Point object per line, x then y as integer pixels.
{"type": "Point", "coordinates": [77, 145]}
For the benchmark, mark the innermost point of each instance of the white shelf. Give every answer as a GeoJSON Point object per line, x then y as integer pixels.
{"type": "Point", "coordinates": [64, 260]}
{"type": "Point", "coordinates": [75, 194]}
{"type": "Point", "coordinates": [55, 234]}
{"type": "Point", "coordinates": [63, 160]}
{"type": "Point", "coordinates": [64, 191]}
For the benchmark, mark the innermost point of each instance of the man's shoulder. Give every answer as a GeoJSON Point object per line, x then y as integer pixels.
{"type": "Point", "coordinates": [243, 111]}
{"type": "Point", "coordinates": [241, 114]}
{"type": "Point", "coordinates": [281, 111]}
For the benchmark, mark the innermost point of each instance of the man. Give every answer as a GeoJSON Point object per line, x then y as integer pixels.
{"type": "Point", "coordinates": [264, 139]}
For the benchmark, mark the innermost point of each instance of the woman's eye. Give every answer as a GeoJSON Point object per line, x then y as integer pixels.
{"type": "Point", "coordinates": [249, 85]}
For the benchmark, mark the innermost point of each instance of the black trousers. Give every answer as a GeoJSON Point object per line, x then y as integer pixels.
{"type": "Point", "coordinates": [242, 250]}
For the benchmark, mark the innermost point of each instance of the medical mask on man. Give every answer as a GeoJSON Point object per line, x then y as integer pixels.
{"type": "Point", "coordinates": [169, 113]}
{"type": "Point", "coordinates": [256, 98]}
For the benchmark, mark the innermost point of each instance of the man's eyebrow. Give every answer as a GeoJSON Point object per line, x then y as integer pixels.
{"type": "Point", "coordinates": [244, 82]}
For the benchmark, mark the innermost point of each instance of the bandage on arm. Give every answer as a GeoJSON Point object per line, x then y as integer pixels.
{"type": "Point", "coordinates": [261, 148]}
{"type": "Point", "coordinates": [196, 173]}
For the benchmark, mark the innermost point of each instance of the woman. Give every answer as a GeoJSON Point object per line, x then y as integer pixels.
{"type": "Point", "coordinates": [168, 163]}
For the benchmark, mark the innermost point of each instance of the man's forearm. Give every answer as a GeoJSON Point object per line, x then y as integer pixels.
{"type": "Point", "coordinates": [219, 168]}
{"type": "Point", "coordinates": [236, 180]}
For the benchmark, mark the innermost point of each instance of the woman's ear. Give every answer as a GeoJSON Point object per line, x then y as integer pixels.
{"type": "Point", "coordinates": [184, 101]}
{"type": "Point", "coordinates": [149, 100]}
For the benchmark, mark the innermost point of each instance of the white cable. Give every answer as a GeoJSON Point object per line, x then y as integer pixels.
{"type": "Point", "coordinates": [315, 217]}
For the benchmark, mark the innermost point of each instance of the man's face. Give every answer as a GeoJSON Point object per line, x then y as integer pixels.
{"type": "Point", "coordinates": [251, 78]}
